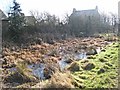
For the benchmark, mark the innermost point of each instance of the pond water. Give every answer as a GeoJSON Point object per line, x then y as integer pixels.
{"type": "Point", "coordinates": [79, 56]}
{"type": "Point", "coordinates": [38, 69]}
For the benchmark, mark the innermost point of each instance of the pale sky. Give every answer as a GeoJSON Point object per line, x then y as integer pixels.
{"type": "Point", "coordinates": [61, 7]}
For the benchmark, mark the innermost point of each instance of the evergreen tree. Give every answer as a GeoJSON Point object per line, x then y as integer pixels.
{"type": "Point", "coordinates": [16, 22]}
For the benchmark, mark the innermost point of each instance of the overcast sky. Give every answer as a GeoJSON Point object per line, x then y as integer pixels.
{"type": "Point", "coordinates": [61, 7]}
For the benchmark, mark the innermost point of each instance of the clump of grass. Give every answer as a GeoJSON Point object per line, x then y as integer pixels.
{"type": "Point", "coordinates": [60, 80]}
{"type": "Point", "coordinates": [78, 81]}
{"type": "Point", "coordinates": [26, 85]}
{"type": "Point", "coordinates": [53, 53]}
{"type": "Point", "coordinates": [106, 67]}
{"type": "Point", "coordinates": [83, 76]}
{"type": "Point", "coordinates": [112, 52]}
{"type": "Point", "coordinates": [88, 66]}
{"type": "Point", "coordinates": [23, 70]}
{"type": "Point", "coordinates": [102, 60]}
{"type": "Point", "coordinates": [91, 57]}
{"type": "Point", "coordinates": [74, 66]}
{"type": "Point", "coordinates": [21, 75]}
{"type": "Point", "coordinates": [101, 71]}
{"type": "Point", "coordinates": [103, 50]}
{"type": "Point", "coordinates": [110, 65]}
{"type": "Point", "coordinates": [84, 61]}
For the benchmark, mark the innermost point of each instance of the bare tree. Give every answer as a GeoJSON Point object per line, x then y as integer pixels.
{"type": "Point", "coordinates": [114, 20]}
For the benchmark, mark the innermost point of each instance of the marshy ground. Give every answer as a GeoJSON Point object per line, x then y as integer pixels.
{"type": "Point", "coordinates": [86, 63]}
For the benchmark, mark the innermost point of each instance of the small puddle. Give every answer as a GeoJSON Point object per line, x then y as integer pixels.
{"type": "Point", "coordinates": [80, 56]}
{"type": "Point", "coordinates": [62, 64]}
{"type": "Point", "coordinates": [38, 69]}
{"type": "Point", "coordinates": [77, 57]}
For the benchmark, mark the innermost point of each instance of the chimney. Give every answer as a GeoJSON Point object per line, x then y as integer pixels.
{"type": "Point", "coordinates": [74, 10]}
{"type": "Point", "coordinates": [96, 8]}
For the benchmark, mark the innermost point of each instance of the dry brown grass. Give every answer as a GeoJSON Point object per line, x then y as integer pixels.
{"type": "Point", "coordinates": [74, 66]}
{"type": "Point", "coordinates": [60, 80]}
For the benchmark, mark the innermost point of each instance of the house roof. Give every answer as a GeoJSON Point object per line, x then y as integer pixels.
{"type": "Point", "coordinates": [30, 19]}
{"type": "Point", "coordinates": [89, 12]}
{"type": "Point", "coordinates": [2, 15]}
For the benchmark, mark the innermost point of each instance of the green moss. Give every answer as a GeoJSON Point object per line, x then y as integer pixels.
{"type": "Point", "coordinates": [106, 67]}
{"type": "Point", "coordinates": [83, 76]}
{"type": "Point", "coordinates": [110, 65]}
{"type": "Point", "coordinates": [104, 75]}
{"type": "Point", "coordinates": [102, 70]}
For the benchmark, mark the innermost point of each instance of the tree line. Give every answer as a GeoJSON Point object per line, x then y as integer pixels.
{"type": "Point", "coordinates": [49, 27]}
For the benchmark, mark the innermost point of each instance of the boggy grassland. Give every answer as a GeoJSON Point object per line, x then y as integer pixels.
{"type": "Point", "coordinates": [95, 70]}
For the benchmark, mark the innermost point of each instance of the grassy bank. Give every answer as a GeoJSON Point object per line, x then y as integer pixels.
{"type": "Point", "coordinates": [100, 71]}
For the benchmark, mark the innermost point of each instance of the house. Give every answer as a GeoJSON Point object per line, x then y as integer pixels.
{"type": "Point", "coordinates": [85, 13]}
{"type": "Point", "coordinates": [30, 20]}
{"type": "Point", "coordinates": [85, 21]}
{"type": "Point", "coordinates": [2, 16]}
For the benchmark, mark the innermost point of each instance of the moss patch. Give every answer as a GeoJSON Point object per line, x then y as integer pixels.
{"type": "Point", "coordinates": [104, 74]}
